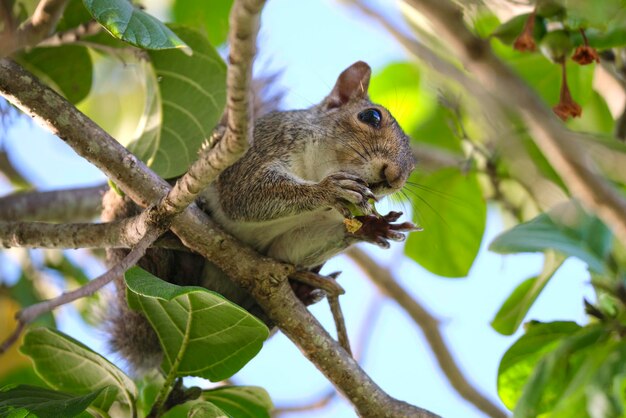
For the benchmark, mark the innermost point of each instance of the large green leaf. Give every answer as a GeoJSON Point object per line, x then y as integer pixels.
{"type": "Point", "coordinates": [449, 206]}
{"type": "Point", "coordinates": [42, 402]}
{"type": "Point", "coordinates": [555, 377]}
{"type": "Point", "coordinates": [66, 68]}
{"type": "Point", "coordinates": [212, 16]}
{"type": "Point", "coordinates": [567, 229]}
{"type": "Point", "coordinates": [514, 309]}
{"type": "Point", "coordinates": [126, 22]}
{"type": "Point", "coordinates": [518, 362]}
{"type": "Point", "coordinates": [68, 365]}
{"type": "Point", "coordinates": [241, 401]}
{"type": "Point", "coordinates": [202, 334]}
{"type": "Point", "coordinates": [185, 108]}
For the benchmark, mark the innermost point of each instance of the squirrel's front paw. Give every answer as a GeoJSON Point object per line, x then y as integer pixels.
{"type": "Point", "coordinates": [343, 189]}
{"type": "Point", "coordinates": [380, 230]}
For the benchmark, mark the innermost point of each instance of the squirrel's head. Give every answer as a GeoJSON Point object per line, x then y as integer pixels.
{"type": "Point", "coordinates": [366, 138]}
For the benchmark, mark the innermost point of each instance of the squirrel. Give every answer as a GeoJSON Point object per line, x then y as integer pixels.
{"type": "Point", "coordinates": [287, 198]}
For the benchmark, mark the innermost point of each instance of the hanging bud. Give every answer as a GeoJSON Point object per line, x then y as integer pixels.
{"type": "Point", "coordinates": [585, 54]}
{"type": "Point", "coordinates": [525, 41]}
{"type": "Point", "coordinates": [566, 107]}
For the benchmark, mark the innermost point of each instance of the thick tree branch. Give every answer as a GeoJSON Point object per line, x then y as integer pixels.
{"type": "Point", "coordinates": [265, 278]}
{"type": "Point", "coordinates": [124, 233]}
{"type": "Point", "coordinates": [244, 26]}
{"type": "Point", "coordinates": [560, 146]}
{"type": "Point", "coordinates": [54, 206]}
{"type": "Point", "coordinates": [37, 27]}
{"type": "Point", "coordinates": [430, 327]}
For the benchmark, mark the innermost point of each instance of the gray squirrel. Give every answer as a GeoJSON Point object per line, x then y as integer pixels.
{"type": "Point", "coordinates": [287, 198]}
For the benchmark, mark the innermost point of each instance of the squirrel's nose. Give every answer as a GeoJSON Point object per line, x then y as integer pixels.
{"type": "Point", "coordinates": [392, 175]}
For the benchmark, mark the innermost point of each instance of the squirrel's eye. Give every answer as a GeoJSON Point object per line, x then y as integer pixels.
{"type": "Point", "coordinates": [372, 117]}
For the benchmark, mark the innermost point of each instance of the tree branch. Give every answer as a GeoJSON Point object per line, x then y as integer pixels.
{"type": "Point", "coordinates": [430, 327]}
{"type": "Point", "coordinates": [37, 27]}
{"type": "Point", "coordinates": [265, 278]}
{"type": "Point", "coordinates": [560, 146]}
{"type": "Point", "coordinates": [124, 233]}
{"type": "Point", "coordinates": [54, 206]}
{"type": "Point", "coordinates": [29, 314]}
{"type": "Point", "coordinates": [244, 26]}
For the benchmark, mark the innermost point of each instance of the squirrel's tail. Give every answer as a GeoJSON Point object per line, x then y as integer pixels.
{"type": "Point", "coordinates": [131, 335]}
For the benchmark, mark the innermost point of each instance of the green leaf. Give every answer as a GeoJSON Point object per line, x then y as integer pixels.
{"type": "Point", "coordinates": [583, 13]}
{"type": "Point", "coordinates": [241, 401]}
{"type": "Point", "coordinates": [453, 215]}
{"type": "Point", "coordinates": [43, 403]}
{"type": "Point", "coordinates": [202, 333]}
{"type": "Point", "coordinates": [515, 308]}
{"type": "Point", "coordinates": [437, 131]}
{"type": "Point", "coordinates": [74, 15]}
{"type": "Point", "coordinates": [605, 391]}
{"type": "Point", "coordinates": [189, 103]}
{"type": "Point", "coordinates": [398, 88]}
{"type": "Point", "coordinates": [211, 16]}
{"type": "Point", "coordinates": [126, 22]}
{"type": "Point", "coordinates": [510, 30]}
{"type": "Point", "coordinates": [520, 359]}
{"type": "Point", "coordinates": [66, 68]}
{"type": "Point", "coordinates": [548, 384]}
{"type": "Point", "coordinates": [545, 76]}
{"type": "Point", "coordinates": [567, 229]}
{"type": "Point", "coordinates": [68, 365]}
{"type": "Point", "coordinates": [206, 410]}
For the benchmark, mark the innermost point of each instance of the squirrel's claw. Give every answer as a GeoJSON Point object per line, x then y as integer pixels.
{"type": "Point", "coordinates": [380, 230]}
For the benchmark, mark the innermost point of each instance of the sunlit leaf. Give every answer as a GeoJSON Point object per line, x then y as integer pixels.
{"type": "Point", "coordinates": [520, 359]}
{"type": "Point", "coordinates": [43, 403]}
{"type": "Point", "coordinates": [398, 87]}
{"type": "Point", "coordinates": [70, 366]}
{"type": "Point", "coordinates": [449, 206]}
{"type": "Point", "coordinates": [514, 309]}
{"type": "Point", "coordinates": [567, 229]}
{"type": "Point", "coordinates": [549, 383]}
{"type": "Point", "coordinates": [241, 401]}
{"type": "Point", "coordinates": [202, 333]}
{"type": "Point", "coordinates": [128, 23]}
{"type": "Point", "coordinates": [211, 16]}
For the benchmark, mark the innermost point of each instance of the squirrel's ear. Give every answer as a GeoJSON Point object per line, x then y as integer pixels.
{"type": "Point", "coordinates": [351, 84]}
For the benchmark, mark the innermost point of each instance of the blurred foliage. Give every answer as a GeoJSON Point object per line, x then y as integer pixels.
{"type": "Point", "coordinates": [137, 80]}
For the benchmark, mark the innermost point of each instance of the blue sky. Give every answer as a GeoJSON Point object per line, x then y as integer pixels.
{"type": "Point", "coordinates": [311, 42]}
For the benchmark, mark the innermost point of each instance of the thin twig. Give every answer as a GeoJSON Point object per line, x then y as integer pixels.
{"type": "Point", "coordinates": [72, 35]}
{"type": "Point", "coordinates": [325, 283]}
{"type": "Point", "coordinates": [430, 327]}
{"type": "Point", "coordinates": [317, 404]}
{"type": "Point", "coordinates": [340, 323]}
{"type": "Point", "coordinates": [29, 314]}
